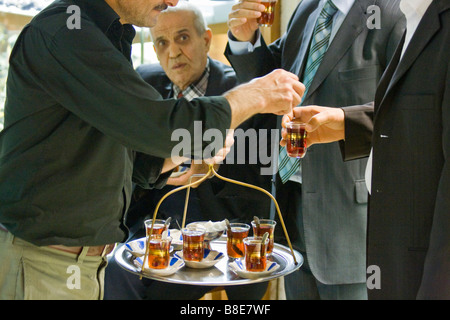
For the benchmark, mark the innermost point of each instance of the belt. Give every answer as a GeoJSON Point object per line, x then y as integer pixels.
{"type": "Point", "coordinates": [92, 251]}
{"type": "Point", "coordinates": [100, 251]}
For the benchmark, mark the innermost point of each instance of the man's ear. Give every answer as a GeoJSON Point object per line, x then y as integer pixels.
{"type": "Point", "coordinates": [208, 37]}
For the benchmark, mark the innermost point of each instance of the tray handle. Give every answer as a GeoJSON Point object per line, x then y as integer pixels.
{"type": "Point", "coordinates": [206, 176]}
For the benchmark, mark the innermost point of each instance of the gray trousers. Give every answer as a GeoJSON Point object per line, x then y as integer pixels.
{"type": "Point", "coordinates": [41, 273]}
{"type": "Point", "coordinates": [302, 284]}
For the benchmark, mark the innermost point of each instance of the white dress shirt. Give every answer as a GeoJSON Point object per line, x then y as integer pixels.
{"type": "Point", "coordinates": [414, 10]}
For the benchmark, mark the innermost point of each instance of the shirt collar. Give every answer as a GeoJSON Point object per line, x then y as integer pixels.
{"type": "Point", "coordinates": [343, 6]}
{"type": "Point", "coordinates": [197, 89]}
{"type": "Point", "coordinates": [100, 12]}
{"type": "Point", "coordinates": [105, 17]}
{"type": "Point", "coordinates": [412, 8]}
{"type": "Point", "coordinates": [107, 20]}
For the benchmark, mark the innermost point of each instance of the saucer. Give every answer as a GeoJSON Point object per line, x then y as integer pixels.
{"type": "Point", "coordinates": [179, 171]}
{"type": "Point", "coordinates": [238, 267]}
{"type": "Point", "coordinates": [210, 258]}
{"type": "Point", "coordinates": [137, 247]}
{"type": "Point", "coordinates": [175, 264]}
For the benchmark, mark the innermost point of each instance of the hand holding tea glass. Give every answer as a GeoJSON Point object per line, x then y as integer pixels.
{"type": "Point", "coordinates": [247, 16]}
{"type": "Point", "coordinates": [322, 124]}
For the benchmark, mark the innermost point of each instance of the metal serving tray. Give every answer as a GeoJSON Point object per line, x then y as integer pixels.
{"type": "Point", "coordinates": [218, 275]}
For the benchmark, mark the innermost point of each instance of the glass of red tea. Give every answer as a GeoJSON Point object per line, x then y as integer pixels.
{"type": "Point", "coordinates": [255, 254]}
{"type": "Point", "coordinates": [193, 238]}
{"type": "Point", "coordinates": [296, 139]}
{"type": "Point", "coordinates": [158, 228]}
{"type": "Point", "coordinates": [158, 251]}
{"type": "Point", "coordinates": [265, 225]}
{"type": "Point", "coordinates": [268, 15]}
{"type": "Point", "coordinates": [235, 239]}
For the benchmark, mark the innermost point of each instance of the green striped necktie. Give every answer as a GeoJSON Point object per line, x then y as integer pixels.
{"type": "Point", "coordinates": [287, 166]}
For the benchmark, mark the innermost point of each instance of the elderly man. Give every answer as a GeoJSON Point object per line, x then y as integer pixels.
{"type": "Point", "coordinates": [182, 40]}
{"type": "Point", "coordinates": [76, 113]}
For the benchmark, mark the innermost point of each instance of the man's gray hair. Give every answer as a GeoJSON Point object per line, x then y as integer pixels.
{"type": "Point", "coordinates": [199, 20]}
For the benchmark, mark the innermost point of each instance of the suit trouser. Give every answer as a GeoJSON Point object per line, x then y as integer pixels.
{"type": "Point", "coordinates": [41, 273]}
{"type": "Point", "coordinates": [302, 284]}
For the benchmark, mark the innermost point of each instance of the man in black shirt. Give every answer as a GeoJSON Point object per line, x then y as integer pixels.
{"type": "Point", "coordinates": [80, 126]}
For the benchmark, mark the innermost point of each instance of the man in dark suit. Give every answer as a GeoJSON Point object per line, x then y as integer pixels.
{"type": "Point", "coordinates": [182, 40]}
{"type": "Point", "coordinates": [325, 201]}
{"type": "Point", "coordinates": [408, 132]}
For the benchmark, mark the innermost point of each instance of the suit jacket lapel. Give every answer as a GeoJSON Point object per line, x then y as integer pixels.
{"type": "Point", "coordinates": [213, 80]}
{"type": "Point", "coordinates": [168, 90]}
{"type": "Point", "coordinates": [427, 28]}
{"type": "Point", "coordinates": [388, 73]}
{"type": "Point", "coordinates": [301, 57]}
{"type": "Point", "coordinates": [353, 25]}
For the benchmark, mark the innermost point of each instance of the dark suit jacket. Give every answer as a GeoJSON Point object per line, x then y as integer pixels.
{"type": "Point", "coordinates": [214, 199]}
{"type": "Point", "coordinates": [409, 214]}
{"type": "Point", "coordinates": [334, 195]}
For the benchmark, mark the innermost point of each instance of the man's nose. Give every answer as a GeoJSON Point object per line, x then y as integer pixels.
{"type": "Point", "coordinates": [174, 50]}
{"type": "Point", "coordinates": [171, 3]}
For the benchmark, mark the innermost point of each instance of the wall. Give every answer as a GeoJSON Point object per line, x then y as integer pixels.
{"type": "Point", "coordinates": [287, 7]}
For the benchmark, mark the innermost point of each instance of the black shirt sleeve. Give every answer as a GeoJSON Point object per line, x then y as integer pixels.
{"type": "Point", "coordinates": [87, 75]}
